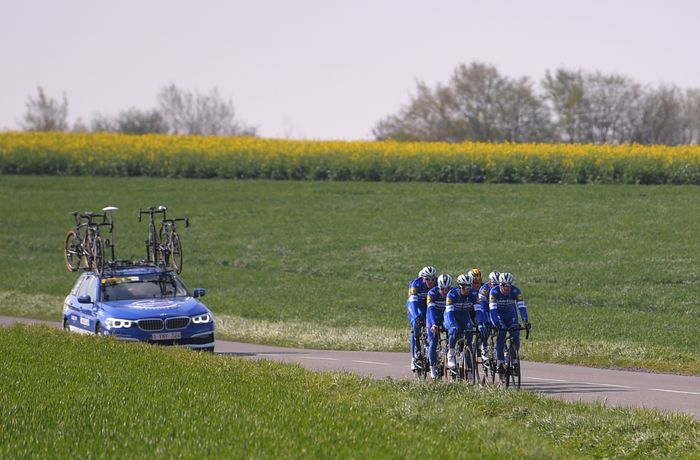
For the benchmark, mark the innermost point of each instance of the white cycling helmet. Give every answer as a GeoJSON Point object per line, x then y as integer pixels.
{"type": "Point", "coordinates": [506, 278]}
{"type": "Point", "coordinates": [493, 277]}
{"type": "Point", "coordinates": [465, 280]}
{"type": "Point", "coordinates": [444, 281]}
{"type": "Point", "coordinates": [428, 272]}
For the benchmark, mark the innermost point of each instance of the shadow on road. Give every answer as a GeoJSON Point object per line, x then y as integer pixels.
{"type": "Point", "coordinates": [261, 354]}
{"type": "Point", "coordinates": [569, 387]}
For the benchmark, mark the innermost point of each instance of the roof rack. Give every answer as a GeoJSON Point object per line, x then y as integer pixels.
{"type": "Point", "coordinates": [113, 265]}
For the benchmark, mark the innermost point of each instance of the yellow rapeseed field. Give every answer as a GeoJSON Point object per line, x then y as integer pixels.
{"type": "Point", "coordinates": [245, 157]}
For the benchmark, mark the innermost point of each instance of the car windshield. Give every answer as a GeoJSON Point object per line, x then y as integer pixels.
{"type": "Point", "coordinates": [151, 286]}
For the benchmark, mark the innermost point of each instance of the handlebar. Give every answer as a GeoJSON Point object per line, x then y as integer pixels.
{"type": "Point", "coordinates": [520, 327]}
{"type": "Point", "coordinates": [89, 216]}
{"type": "Point", "coordinates": [151, 210]}
{"type": "Point", "coordinates": [513, 327]}
{"type": "Point", "coordinates": [179, 219]}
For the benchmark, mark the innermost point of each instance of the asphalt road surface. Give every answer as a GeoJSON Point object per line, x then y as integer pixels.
{"type": "Point", "coordinates": [668, 392]}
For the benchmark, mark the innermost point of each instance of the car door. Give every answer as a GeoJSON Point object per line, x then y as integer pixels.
{"type": "Point", "coordinates": [72, 313]}
{"type": "Point", "coordinates": [86, 310]}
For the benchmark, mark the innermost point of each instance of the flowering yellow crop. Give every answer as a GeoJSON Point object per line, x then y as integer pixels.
{"type": "Point", "coordinates": [239, 157]}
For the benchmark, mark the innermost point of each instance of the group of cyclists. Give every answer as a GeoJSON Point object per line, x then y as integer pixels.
{"type": "Point", "coordinates": [492, 305]}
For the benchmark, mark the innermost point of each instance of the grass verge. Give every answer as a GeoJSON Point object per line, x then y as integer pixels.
{"type": "Point", "coordinates": [61, 394]}
{"type": "Point", "coordinates": [602, 267]}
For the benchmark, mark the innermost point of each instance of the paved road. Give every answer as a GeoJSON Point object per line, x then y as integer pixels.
{"type": "Point", "coordinates": [668, 392]}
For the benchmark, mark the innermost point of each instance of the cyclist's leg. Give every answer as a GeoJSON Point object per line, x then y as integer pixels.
{"type": "Point", "coordinates": [452, 331]}
{"type": "Point", "coordinates": [432, 346]}
{"type": "Point", "coordinates": [516, 341]}
{"type": "Point", "coordinates": [465, 326]}
{"type": "Point", "coordinates": [512, 320]}
{"type": "Point", "coordinates": [500, 343]}
{"type": "Point", "coordinates": [413, 324]}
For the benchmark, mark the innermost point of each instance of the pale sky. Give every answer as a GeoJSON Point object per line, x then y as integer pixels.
{"type": "Point", "coordinates": [322, 69]}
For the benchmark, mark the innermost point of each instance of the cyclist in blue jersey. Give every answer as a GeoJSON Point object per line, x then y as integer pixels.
{"type": "Point", "coordinates": [505, 300]}
{"type": "Point", "coordinates": [416, 305]}
{"type": "Point", "coordinates": [476, 273]}
{"type": "Point", "coordinates": [460, 301]}
{"type": "Point", "coordinates": [483, 305]}
{"type": "Point", "coordinates": [436, 299]}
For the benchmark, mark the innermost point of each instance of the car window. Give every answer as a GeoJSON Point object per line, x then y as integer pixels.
{"type": "Point", "coordinates": [151, 286]}
{"type": "Point", "coordinates": [77, 284]}
{"type": "Point", "coordinates": [87, 287]}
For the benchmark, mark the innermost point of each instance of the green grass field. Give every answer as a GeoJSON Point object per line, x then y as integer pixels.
{"type": "Point", "coordinates": [609, 272]}
{"type": "Point", "coordinates": [63, 396]}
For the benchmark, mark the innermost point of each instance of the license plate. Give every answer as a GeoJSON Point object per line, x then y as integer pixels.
{"type": "Point", "coordinates": [166, 336]}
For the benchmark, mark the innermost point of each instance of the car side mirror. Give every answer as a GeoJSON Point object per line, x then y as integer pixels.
{"type": "Point", "coordinates": [199, 292]}
{"type": "Point", "coordinates": [84, 299]}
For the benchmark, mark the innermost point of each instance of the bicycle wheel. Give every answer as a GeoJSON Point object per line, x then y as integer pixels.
{"type": "Point", "coordinates": [175, 247]}
{"type": "Point", "coordinates": [513, 368]}
{"type": "Point", "coordinates": [476, 379]}
{"type": "Point", "coordinates": [488, 376]}
{"type": "Point", "coordinates": [442, 361]}
{"type": "Point", "coordinates": [424, 363]}
{"type": "Point", "coordinates": [420, 358]}
{"type": "Point", "coordinates": [152, 246]}
{"type": "Point", "coordinates": [467, 365]}
{"type": "Point", "coordinates": [98, 255]}
{"type": "Point", "coordinates": [72, 251]}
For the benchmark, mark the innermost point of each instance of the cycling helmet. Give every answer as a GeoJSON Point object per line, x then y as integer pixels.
{"type": "Point", "coordinates": [476, 273]}
{"type": "Point", "coordinates": [444, 281]}
{"type": "Point", "coordinates": [493, 277]}
{"type": "Point", "coordinates": [428, 272]}
{"type": "Point", "coordinates": [506, 278]}
{"type": "Point", "coordinates": [465, 280]}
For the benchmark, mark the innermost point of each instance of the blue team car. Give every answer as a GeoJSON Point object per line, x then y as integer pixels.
{"type": "Point", "coordinates": [139, 302]}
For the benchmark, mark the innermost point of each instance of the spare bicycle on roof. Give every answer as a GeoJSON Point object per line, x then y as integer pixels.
{"type": "Point", "coordinates": [164, 246]}
{"type": "Point", "coordinates": [83, 246]}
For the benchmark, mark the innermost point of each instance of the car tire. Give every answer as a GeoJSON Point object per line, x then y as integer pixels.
{"type": "Point", "coordinates": [65, 325]}
{"type": "Point", "coordinates": [98, 329]}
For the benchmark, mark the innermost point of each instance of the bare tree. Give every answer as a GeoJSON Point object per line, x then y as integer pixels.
{"type": "Point", "coordinates": [609, 99]}
{"type": "Point", "coordinates": [45, 113]}
{"type": "Point", "coordinates": [102, 123]}
{"type": "Point", "coordinates": [661, 115]}
{"type": "Point", "coordinates": [135, 121]}
{"type": "Point", "coordinates": [478, 104]}
{"type": "Point", "coordinates": [476, 91]}
{"type": "Point", "coordinates": [187, 112]}
{"type": "Point", "coordinates": [691, 116]}
{"type": "Point", "coordinates": [565, 92]}
{"type": "Point", "coordinates": [425, 118]}
{"type": "Point", "coordinates": [521, 115]}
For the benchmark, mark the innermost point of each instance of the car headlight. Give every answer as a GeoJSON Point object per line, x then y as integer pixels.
{"type": "Point", "coordinates": [116, 323]}
{"type": "Point", "coordinates": [202, 319]}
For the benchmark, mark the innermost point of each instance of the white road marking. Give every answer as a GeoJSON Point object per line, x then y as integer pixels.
{"type": "Point", "coordinates": [548, 380]}
{"type": "Point", "coordinates": [370, 362]}
{"type": "Point", "coordinates": [675, 391]}
{"type": "Point", "coordinates": [607, 385]}
{"type": "Point", "coordinates": [318, 358]}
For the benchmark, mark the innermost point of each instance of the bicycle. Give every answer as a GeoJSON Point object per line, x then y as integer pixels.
{"type": "Point", "coordinates": [442, 350]}
{"type": "Point", "coordinates": [421, 353]}
{"type": "Point", "coordinates": [164, 247]}
{"type": "Point", "coordinates": [170, 245]}
{"type": "Point", "coordinates": [488, 362]}
{"type": "Point", "coordinates": [465, 359]}
{"type": "Point", "coordinates": [512, 374]}
{"type": "Point", "coordinates": [86, 250]}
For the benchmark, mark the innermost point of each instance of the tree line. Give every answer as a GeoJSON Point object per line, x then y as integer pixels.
{"type": "Point", "coordinates": [478, 103]}
{"type": "Point", "coordinates": [178, 111]}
